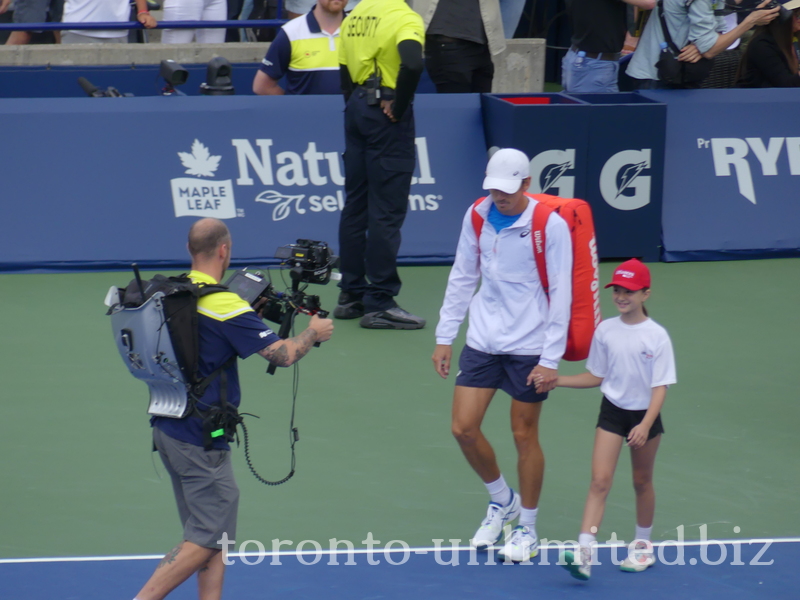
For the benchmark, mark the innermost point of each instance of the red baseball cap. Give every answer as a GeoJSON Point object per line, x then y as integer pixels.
{"type": "Point", "coordinates": [633, 275]}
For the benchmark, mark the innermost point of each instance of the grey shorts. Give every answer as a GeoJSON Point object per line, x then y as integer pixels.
{"type": "Point", "coordinates": [205, 489]}
{"type": "Point", "coordinates": [73, 37]}
{"type": "Point", "coordinates": [38, 11]}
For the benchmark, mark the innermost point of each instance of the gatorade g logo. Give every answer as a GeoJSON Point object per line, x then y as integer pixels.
{"type": "Point", "coordinates": [548, 173]}
{"type": "Point", "coordinates": [621, 182]}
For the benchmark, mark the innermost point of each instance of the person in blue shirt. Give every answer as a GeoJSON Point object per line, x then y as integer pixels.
{"type": "Point", "coordinates": [306, 52]}
{"type": "Point", "coordinates": [203, 481]}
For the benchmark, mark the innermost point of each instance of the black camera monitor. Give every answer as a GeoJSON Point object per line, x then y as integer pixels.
{"type": "Point", "coordinates": [249, 285]}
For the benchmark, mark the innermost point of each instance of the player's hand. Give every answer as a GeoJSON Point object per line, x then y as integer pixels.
{"type": "Point", "coordinates": [638, 436]}
{"type": "Point", "coordinates": [323, 327]}
{"type": "Point", "coordinates": [441, 359]}
{"type": "Point", "coordinates": [545, 379]}
{"type": "Point", "coordinates": [387, 106]}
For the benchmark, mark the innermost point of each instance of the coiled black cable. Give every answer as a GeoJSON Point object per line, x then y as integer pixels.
{"type": "Point", "coordinates": [294, 435]}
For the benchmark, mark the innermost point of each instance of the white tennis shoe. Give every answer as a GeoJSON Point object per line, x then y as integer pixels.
{"type": "Point", "coordinates": [497, 516]}
{"type": "Point", "coordinates": [521, 545]}
{"type": "Point", "coordinates": [579, 567]}
{"type": "Point", "coordinates": [640, 558]}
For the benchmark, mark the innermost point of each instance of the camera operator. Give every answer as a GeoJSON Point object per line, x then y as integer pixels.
{"type": "Point", "coordinates": [203, 481]}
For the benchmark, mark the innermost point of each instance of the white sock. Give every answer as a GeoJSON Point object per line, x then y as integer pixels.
{"type": "Point", "coordinates": [643, 533]}
{"type": "Point", "coordinates": [587, 539]}
{"type": "Point", "coordinates": [527, 518]}
{"type": "Point", "coordinates": [499, 491]}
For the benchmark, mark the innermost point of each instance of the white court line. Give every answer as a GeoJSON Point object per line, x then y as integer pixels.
{"type": "Point", "coordinates": [443, 548]}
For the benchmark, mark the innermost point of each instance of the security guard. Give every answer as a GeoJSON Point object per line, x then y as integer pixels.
{"type": "Point", "coordinates": [380, 59]}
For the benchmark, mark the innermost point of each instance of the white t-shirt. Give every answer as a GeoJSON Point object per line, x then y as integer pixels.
{"type": "Point", "coordinates": [97, 11]}
{"type": "Point", "coordinates": [632, 360]}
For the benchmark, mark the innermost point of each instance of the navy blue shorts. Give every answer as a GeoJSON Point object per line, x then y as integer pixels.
{"type": "Point", "coordinates": [505, 372]}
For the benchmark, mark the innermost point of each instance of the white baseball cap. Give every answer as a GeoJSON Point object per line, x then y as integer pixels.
{"type": "Point", "coordinates": [506, 169]}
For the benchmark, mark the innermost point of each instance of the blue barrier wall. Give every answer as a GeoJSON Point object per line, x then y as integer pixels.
{"type": "Point", "coordinates": [103, 182]}
{"type": "Point", "coordinates": [139, 80]}
{"type": "Point", "coordinates": [99, 183]}
{"type": "Point", "coordinates": [732, 171]}
{"type": "Point", "coordinates": [604, 148]}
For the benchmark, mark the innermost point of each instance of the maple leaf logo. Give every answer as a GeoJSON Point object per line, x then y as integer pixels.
{"type": "Point", "coordinates": [199, 162]}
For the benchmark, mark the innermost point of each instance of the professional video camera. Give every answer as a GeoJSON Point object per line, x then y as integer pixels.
{"type": "Point", "coordinates": [309, 261]}
{"type": "Point", "coordinates": [94, 92]}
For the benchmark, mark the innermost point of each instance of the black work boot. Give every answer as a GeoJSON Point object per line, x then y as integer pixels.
{"type": "Point", "coordinates": [350, 306]}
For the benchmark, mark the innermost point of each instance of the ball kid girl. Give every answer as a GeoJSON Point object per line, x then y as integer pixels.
{"type": "Point", "coordinates": [632, 361]}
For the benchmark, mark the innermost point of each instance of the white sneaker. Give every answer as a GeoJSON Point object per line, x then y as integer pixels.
{"type": "Point", "coordinates": [581, 567]}
{"type": "Point", "coordinates": [640, 558]}
{"type": "Point", "coordinates": [497, 516]}
{"type": "Point", "coordinates": [522, 545]}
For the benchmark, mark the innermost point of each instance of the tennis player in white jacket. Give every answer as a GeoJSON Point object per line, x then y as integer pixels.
{"type": "Point", "coordinates": [516, 332]}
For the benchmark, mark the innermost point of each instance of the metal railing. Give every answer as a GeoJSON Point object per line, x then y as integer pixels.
{"type": "Point", "coordinates": [255, 24]}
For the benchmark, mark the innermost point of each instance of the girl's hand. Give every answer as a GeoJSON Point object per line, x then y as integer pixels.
{"type": "Point", "coordinates": [638, 436]}
{"type": "Point", "coordinates": [543, 378]}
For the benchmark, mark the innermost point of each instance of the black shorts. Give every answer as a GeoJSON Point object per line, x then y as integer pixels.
{"type": "Point", "coordinates": [507, 372]}
{"type": "Point", "coordinates": [620, 421]}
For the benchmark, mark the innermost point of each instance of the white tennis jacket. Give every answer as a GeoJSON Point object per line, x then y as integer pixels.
{"type": "Point", "coordinates": [510, 314]}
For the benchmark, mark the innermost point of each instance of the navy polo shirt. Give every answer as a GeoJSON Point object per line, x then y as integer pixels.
{"type": "Point", "coordinates": [227, 326]}
{"type": "Point", "coordinates": [306, 55]}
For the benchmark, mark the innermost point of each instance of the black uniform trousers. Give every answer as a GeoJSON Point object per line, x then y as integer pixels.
{"type": "Point", "coordinates": [379, 161]}
{"type": "Point", "coordinates": [458, 66]}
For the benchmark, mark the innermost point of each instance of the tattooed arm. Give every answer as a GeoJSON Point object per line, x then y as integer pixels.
{"type": "Point", "coordinates": [289, 351]}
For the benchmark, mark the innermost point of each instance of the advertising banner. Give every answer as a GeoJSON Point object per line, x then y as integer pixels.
{"type": "Point", "coordinates": [102, 182]}
{"type": "Point", "coordinates": [732, 171]}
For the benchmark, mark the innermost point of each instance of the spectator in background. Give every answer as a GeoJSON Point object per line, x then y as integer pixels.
{"type": "Point", "coordinates": [598, 31]}
{"type": "Point", "coordinates": [693, 29]}
{"type": "Point", "coordinates": [32, 11]}
{"type": "Point", "coordinates": [296, 8]}
{"type": "Point", "coordinates": [770, 59]}
{"type": "Point", "coordinates": [461, 36]}
{"type": "Point", "coordinates": [102, 11]}
{"type": "Point", "coordinates": [511, 13]}
{"type": "Point", "coordinates": [636, 20]}
{"type": "Point", "coordinates": [194, 10]}
{"type": "Point", "coordinates": [234, 9]}
{"type": "Point", "coordinates": [306, 50]}
{"type": "Point", "coordinates": [723, 72]}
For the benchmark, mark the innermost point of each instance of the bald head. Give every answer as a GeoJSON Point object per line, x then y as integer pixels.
{"type": "Point", "coordinates": [206, 236]}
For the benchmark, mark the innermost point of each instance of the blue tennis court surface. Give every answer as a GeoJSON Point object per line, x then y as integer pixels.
{"type": "Point", "coordinates": [766, 571]}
